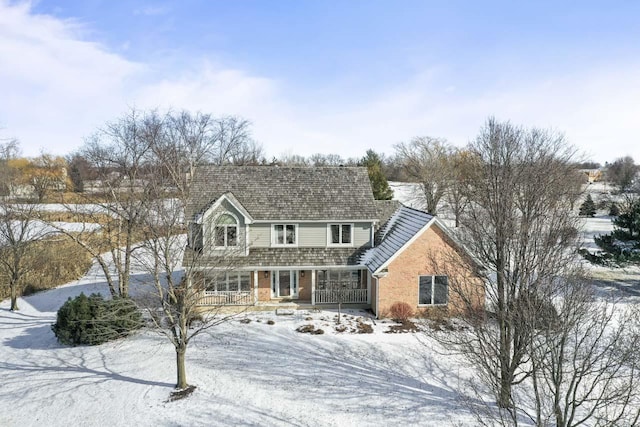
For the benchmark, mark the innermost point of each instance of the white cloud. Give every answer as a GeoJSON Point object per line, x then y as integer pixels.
{"type": "Point", "coordinates": [58, 88]}
{"type": "Point", "coordinates": [55, 86]}
{"type": "Point", "coordinates": [152, 11]}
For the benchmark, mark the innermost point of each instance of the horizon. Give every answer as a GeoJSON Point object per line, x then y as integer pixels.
{"type": "Point", "coordinates": [328, 77]}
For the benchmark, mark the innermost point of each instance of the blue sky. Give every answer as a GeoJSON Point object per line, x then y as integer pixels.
{"type": "Point", "coordinates": [325, 76]}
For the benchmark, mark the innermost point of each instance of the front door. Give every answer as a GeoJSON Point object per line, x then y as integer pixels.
{"type": "Point", "coordinates": [284, 283]}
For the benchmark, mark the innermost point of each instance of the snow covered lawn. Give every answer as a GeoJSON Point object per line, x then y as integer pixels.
{"type": "Point", "coordinates": [252, 373]}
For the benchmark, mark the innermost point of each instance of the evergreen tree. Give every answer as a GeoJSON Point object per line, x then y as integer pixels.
{"type": "Point", "coordinates": [379, 184]}
{"type": "Point", "coordinates": [614, 210]}
{"type": "Point", "coordinates": [588, 207]}
{"type": "Point", "coordinates": [628, 221]}
{"type": "Point", "coordinates": [623, 244]}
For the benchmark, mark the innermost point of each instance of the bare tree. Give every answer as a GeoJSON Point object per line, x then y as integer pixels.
{"type": "Point", "coordinates": [233, 143]}
{"type": "Point", "coordinates": [575, 182]}
{"type": "Point", "coordinates": [250, 153]}
{"type": "Point", "coordinates": [79, 171]}
{"type": "Point", "coordinates": [292, 160]}
{"type": "Point", "coordinates": [461, 164]}
{"type": "Point", "coordinates": [178, 282]}
{"type": "Point", "coordinates": [9, 150]}
{"type": "Point", "coordinates": [520, 227]}
{"type": "Point", "coordinates": [144, 163]}
{"type": "Point", "coordinates": [119, 154]}
{"type": "Point", "coordinates": [583, 365]}
{"type": "Point", "coordinates": [18, 229]}
{"type": "Point", "coordinates": [622, 173]}
{"type": "Point", "coordinates": [425, 161]}
{"type": "Point", "coordinates": [46, 174]}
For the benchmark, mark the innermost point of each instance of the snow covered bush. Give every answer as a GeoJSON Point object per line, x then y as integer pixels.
{"type": "Point", "coordinates": [93, 320]}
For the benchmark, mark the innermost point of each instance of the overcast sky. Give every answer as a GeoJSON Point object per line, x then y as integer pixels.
{"type": "Point", "coordinates": [325, 76]}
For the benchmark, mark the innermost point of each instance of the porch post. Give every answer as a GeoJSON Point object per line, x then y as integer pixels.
{"type": "Point", "coordinates": [377, 301]}
{"type": "Point", "coordinates": [255, 286]}
{"type": "Point", "coordinates": [368, 287]}
{"type": "Point", "coordinates": [313, 287]}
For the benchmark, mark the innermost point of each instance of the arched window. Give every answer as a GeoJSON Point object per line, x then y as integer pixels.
{"type": "Point", "coordinates": [226, 231]}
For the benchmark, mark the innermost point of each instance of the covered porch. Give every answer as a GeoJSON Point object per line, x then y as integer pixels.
{"type": "Point", "coordinates": [278, 286]}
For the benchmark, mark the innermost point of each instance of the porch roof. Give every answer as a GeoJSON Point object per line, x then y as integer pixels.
{"type": "Point", "coordinates": [287, 257]}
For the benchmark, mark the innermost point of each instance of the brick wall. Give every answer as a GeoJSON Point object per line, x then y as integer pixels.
{"type": "Point", "coordinates": [432, 253]}
{"type": "Point", "coordinates": [304, 286]}
{"type": "Point", "coordinates": [264, 286]}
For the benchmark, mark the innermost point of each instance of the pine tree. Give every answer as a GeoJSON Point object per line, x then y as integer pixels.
{"type": "Point", "coordinates": [628, 221]}
{"type": "Point", "coordinates": [614, 210]}
{"type": "Point", "coordinates": [588, 207]}
{"type": "Point", "coordinates": [379, 184]}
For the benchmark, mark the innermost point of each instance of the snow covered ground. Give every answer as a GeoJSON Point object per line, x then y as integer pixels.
{"type": "Point", "coordinates": [252, 373]}
{"type": "Point", "coordinates": [38, 229]}
{"type": "Point", "coordinates": [246, 374]}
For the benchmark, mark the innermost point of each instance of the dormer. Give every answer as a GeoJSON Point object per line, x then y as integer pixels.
{"type": "Point", "coordinates": [222, 227]}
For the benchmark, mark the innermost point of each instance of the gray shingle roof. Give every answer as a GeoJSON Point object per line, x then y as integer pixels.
{"type": "Point", "coordinates": [287, 193]}
{"type": "Point", "coordinates": [386, 209]}
{"type": "Point", "coordinates": [401, 227]}
{"type": "Point", "coordinates": [288, 257]}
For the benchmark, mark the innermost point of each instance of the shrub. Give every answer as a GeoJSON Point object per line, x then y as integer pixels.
{"type": "Point", "coordinates": [93, 320]}
{"type": "Point", "coordinates": [400, 311]}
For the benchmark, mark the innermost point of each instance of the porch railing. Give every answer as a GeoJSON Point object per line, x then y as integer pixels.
{"type": "Point", "coordinates": [347, 296]}
{"type": "Point", "coordinates": [226, 298]}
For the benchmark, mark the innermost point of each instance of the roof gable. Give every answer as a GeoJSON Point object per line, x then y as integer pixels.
{"type": "Point", "coordinates": [403, 226]}
{"type": "Point", "coordinates": [218, 202]}
{"type": "Point", "coordinates": [287, 193]}
{"type": "Point", "coordinates": [402, 229]}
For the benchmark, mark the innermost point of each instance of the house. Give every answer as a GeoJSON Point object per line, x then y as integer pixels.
{"type": "Point", "coordinates": [592, 175]}
{"type": "Point", "coordinates": [267, 236]}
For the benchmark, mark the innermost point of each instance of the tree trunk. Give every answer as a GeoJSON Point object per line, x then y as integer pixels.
{"type": "Point", "coordinates": [181, 370]}
{"type": "Point", "coordinates": [505, 391]}
{"type": "Point", "coordinates": [14, 302]}
{"type": "Point", "coordinates": [14, 296]}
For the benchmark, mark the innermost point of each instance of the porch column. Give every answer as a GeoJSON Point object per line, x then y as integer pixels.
{"type": "Point", "coordinates": [377, 301]}
{"type": "Point", "coordinates": [255, 286]}
{"type": "Point", "coordinates": [313, 287]}
{"type": "Point", "coordinates": [368, 287]}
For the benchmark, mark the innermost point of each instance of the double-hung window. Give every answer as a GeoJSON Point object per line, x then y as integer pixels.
{"type": "Point", "coordinates": [340, 234]}
{"type": "Point", "coordinates": [434, 290]}
{"type": "Point", "coordinates": [285, 235]}
{"type": "Point", "coordinates": [225, 231]}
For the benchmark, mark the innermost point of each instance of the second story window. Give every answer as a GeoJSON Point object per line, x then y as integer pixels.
{"type": "Point", "coordinates": [340, 234]}
{"type": "Point", "coordinates": [285, 234]}
{"type": "Point", "coordinates": [226, 231]}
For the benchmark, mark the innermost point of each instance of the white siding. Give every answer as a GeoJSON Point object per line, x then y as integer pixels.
{"type": "Point", "coordinates": [312, 235]}
{"type": "Point", "coordinates": [260, 235]}
{"type": "Point", "coordinates": [361, 233]}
